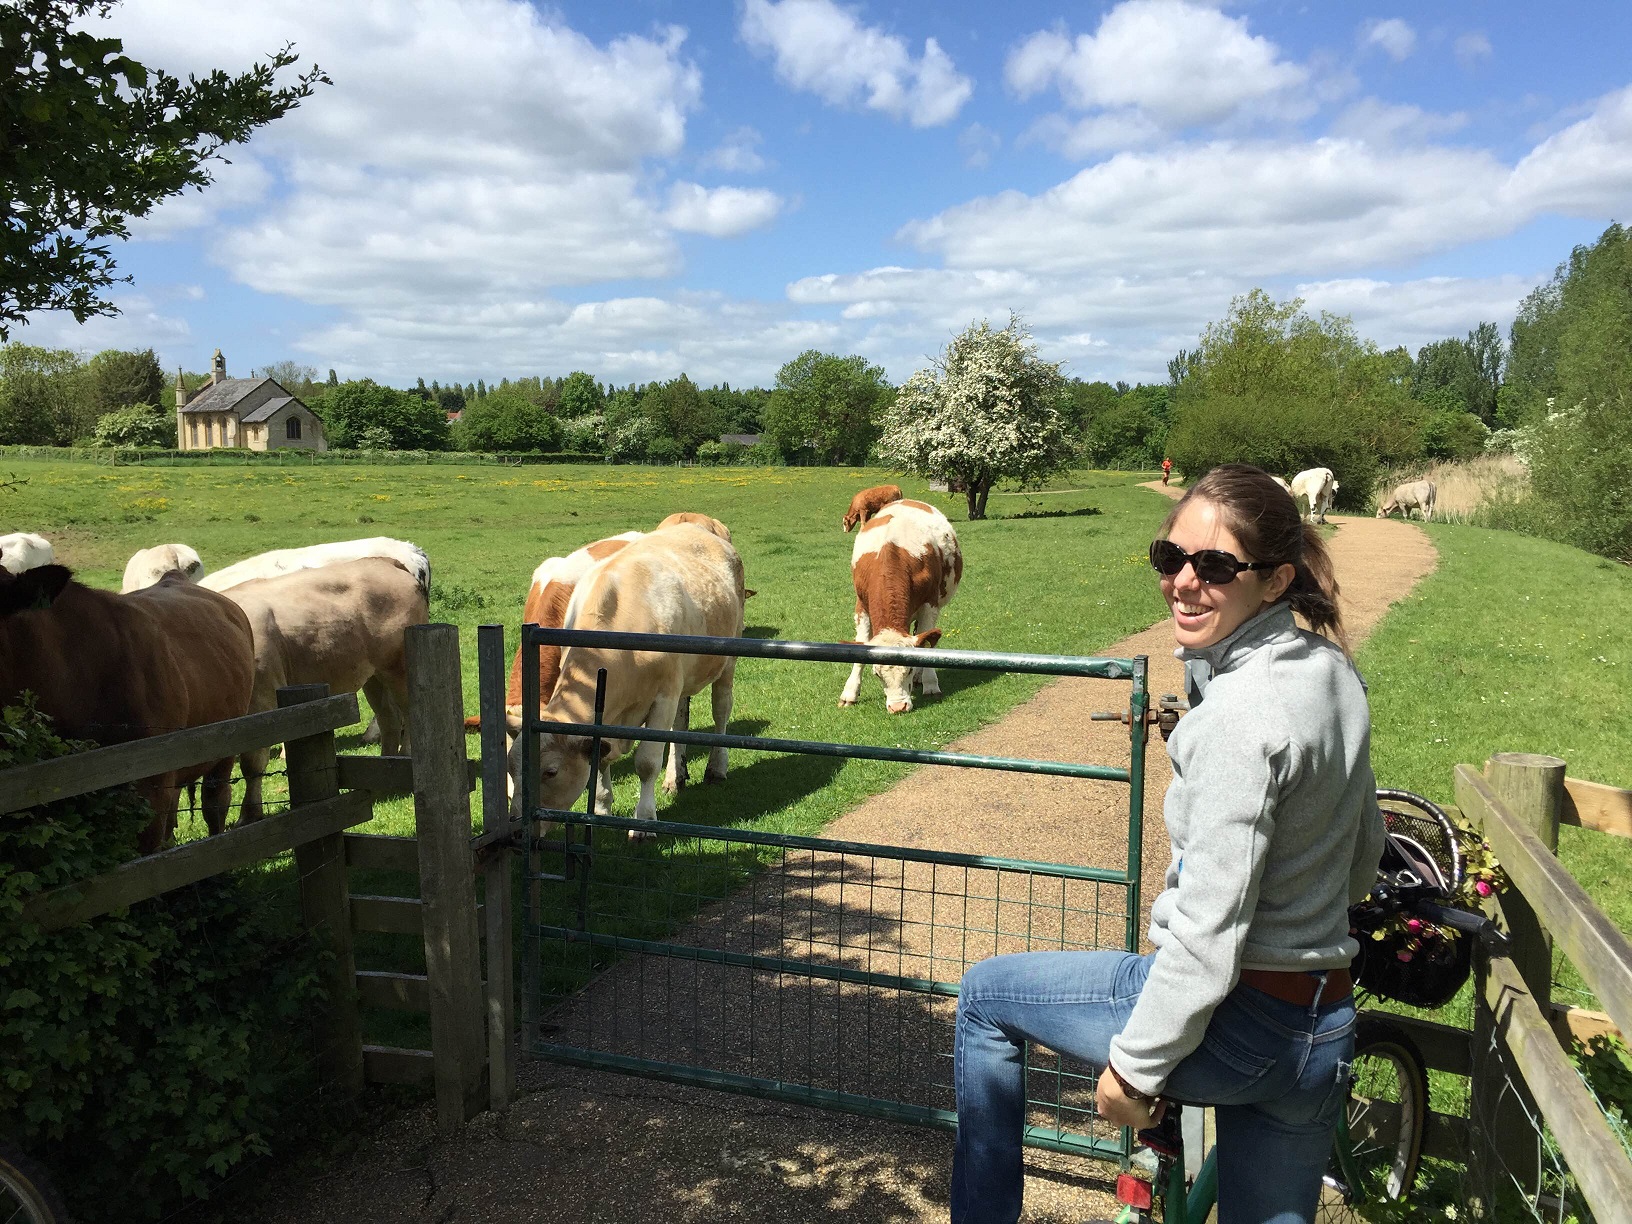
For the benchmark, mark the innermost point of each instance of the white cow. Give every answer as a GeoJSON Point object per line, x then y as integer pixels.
{"type": "Point", "coordinates": [906, 567]}
{"type": "Point", "coordinates": [1317, 486]}
{"type": "Point", "coordinates": [343, 625]}
{"type": "Point", "coordinates": [1418, 495]}
{"type": "Point", "coordinates": [287, 560]}
{"type": "Point", "coordinates": [146, 567]}
{"type": "Point", "coordinates": [23, 550]}
{"type": "Point", "coordinates": [675, 580]}
{"type": "Point", "coordinates": [1281, 480]}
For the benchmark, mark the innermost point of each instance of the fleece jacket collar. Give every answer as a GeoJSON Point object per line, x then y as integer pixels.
{"type": "Point", "coordinates": [1200, 666]}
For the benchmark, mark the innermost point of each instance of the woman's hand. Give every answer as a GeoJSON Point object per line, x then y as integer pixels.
{"type": "Point", "coordinates": [1119, 1109]}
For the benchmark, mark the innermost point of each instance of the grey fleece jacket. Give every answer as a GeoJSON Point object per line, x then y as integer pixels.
{"type": "Point", "coordinates": [1273, 820]}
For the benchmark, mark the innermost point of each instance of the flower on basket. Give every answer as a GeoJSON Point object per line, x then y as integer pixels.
{"type": "Point", "coordinates": [1482, 878]}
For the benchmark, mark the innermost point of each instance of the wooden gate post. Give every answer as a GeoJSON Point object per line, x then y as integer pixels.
{"type": "Point", "coordinates": [436, 717]}
{"type": "Point", "coordinates": [325, 895]}
{"type": "Point", "coordinates": [1531, 787]}
{"type": "Point", "coordinates": [497, 872]}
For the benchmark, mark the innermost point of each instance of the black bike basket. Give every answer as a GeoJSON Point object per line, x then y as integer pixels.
{"type": "Point", "coordinates": [1422, 860]}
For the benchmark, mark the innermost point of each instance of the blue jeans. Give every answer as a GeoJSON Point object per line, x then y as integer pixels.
{"type": "Point", "coordinates": [1276, 1072]}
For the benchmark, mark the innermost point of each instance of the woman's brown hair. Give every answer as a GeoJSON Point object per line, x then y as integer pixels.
{"type": "Point", "coordinates": [1265, 518]}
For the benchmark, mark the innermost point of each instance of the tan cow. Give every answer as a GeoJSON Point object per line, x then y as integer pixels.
{"type": "Point", "coordinates": [868, 503]}
{"type": "Point", "coordinates": [677, 580]}
{"type": "Point", "coordinates": [342, 625]}
{"type": "Point", "coordinates": [906, 567]}
{"type": "Point", "coordinates": [1418, 495]}
{"type": "Point", "coordinates": [114, 668]}
{"type": "Point", "coordinates": [689, 518]}
{"type": "Point", "coordinates": [148, 565]}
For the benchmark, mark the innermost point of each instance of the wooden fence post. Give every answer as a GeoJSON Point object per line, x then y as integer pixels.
{"type": "Point", "coordinates": [436, 718]}
{"type": "Point", "coordinates": [497, 873]}
{"type": "Point", "coordinates": [1531, 787]}
{"type": "Point", "coordinates": [325, 894]}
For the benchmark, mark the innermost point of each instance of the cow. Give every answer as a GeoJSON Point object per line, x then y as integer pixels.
{"type": "Point", "coordinates": [148, 565]}
{"type": "Point", "coordinates": [688, 518]}
{"type": "Point", "coordinates": [287, 560]}
{"type": "Point", "coordinates": [677, 580]}
{"type": "Point", "coordinates": [1418, 495]}
{"type": "Point", "coordinates": [114, 668]}
{"type": "Point", "coordinates": [343, 625]}
{"type": "Point", "coordinates": [906, 566]}
{"type": "Point", "coordinates": [23, 550]}
{"type": "Point", "coordinates": [1284, 483]}
{"type": "Point", "coordinates": [1317, 486]}
{"type": "Point", "coordinates": [868, 503]}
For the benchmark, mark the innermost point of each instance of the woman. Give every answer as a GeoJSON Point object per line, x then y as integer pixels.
{"type": "Point", "coordinates": [1245, 1004]}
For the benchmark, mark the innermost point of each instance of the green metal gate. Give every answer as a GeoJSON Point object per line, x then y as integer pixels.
{"type": "Point", "coordinates": [802, 969]}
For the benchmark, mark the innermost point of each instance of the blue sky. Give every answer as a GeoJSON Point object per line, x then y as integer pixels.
{"type": "Point", "coordinates": [638, 189]}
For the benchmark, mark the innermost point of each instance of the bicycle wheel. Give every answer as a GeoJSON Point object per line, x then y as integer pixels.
{"type": "Point", "coordinates": [1385, 1116]}
{"type": "Point", "coordinates": [26, 1193]}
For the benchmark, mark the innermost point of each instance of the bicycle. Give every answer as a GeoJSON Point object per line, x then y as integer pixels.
{"type": "Point", "coordinates": [26, 1193]}
{"type": "Point", "coordinates": [1377, 1147]}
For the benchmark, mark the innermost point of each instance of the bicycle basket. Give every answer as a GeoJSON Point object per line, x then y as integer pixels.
{"type": "Point", "coordinates": [1422, 859]}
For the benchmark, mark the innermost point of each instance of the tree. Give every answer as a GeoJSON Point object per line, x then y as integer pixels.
{"type": "Point", "coordinates": [580, 396]}
{"type": "Point", "coordinates": [41, 391]}
{"type": "Point", "coordinates": [1131, 433]}
{"type": "Point", "coordinates": [989, 408]}
{"type": "Point", "coordinates": [827, 406]}
{"type": "Point", "coordinates": [136, 427]}
{"type": "Point", "coordinates": [293, 377]}
{"type": "Point", "coordinates": [115, 380]}
{"type": "Point", "coordinates": [90, 138]}
{"type": "Point", "coordinates": [1085, 403]}
{"type": "Point", "coordinates": [676, 409]}
{"type": "Point", "coordinates": [363, 412]}
{"type": "Point", "coordinates": [508, 421]}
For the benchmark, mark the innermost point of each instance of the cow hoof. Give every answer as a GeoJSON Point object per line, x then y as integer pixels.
{"type": "Point", "coordinates": [641, 835]}
{"type": "Point", "coordinates": [846, 701]}
{"type": "Point", "coordinates": [710, 776]}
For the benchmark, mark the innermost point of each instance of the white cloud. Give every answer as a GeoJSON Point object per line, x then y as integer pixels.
{"type": "Point", "coordinates": [722, 212]}
{"type": "Point", "coordinates": [1415, 312]}
{"type": "Point", "coordinates": [240, 185]}
{"type": "Point", "coordinates": [822, 48]}
{"type": "Point", "coordinates": [1178, 63]}
{"type": "Point", "coordinates": [978, 142]}
{"type": "Point", "coordinates": [1393, 37]}
{"type": "Point", "coordinates": [738, 153]}
{"type": "Point", "coordinates": [1584, 170]}
{"type": "Point", "coordinates": [1082, 138]}
{"type": "Point", "coordinates": [1472, 48]}
{"type": "Point", "coordinates": [1382, 123]}
{"type": "Point", "coordinates": [141, 323]}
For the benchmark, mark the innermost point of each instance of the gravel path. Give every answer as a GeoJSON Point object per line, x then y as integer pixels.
{"type": "Point", "coordinates": [584, 1146]}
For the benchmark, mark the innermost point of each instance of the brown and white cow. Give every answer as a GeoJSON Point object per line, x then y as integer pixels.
{"type": "Point", "coordinates": [678, 580]}
{"type": "Point", "coordinates": [343, 625]}
{"type": "Point", "coordinates": [114, 668]}
{"type": "Point", "coordinates": [906, 567]}
{"type": "Point", "coordinates": [868, 503]}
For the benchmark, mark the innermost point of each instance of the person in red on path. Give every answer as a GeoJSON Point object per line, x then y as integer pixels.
{"type": "Point", "coordinates": [1167, 469]}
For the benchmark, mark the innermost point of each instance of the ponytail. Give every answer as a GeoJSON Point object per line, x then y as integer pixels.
{"type": "Point", "coordinates": [1314, 590]}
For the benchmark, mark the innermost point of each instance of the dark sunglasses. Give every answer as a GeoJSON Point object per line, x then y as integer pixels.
{"type": "Point", "coordinates": [1213, 566]}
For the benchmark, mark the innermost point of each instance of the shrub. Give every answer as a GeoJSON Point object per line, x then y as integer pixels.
{"type": "Point", "coordinates": [760, 454]}
{"type": "Point", "coordinates": [1281, 438]}
{"type": "Point", "coordinates": [711, 454]}
{"type": "Point", "coordinates": [158, 1038]}
{"type": "Point", "coordinates": [507, 421]}
{"type": "Point", "coordinates": [1453, 433]}
{"type": "Point", "coordinates": [664, 450]}
{"type": "Point", "coordinates": [137, 426]}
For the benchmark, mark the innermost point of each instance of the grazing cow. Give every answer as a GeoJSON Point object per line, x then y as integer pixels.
{"type": "Point", "coordinates": [1418, 495]}
{"type": "Point", "coordinates": [868, 503]}
{"type": "Point", "coordinates": [113, 668]}
{"type": "Point", "coordinates": [150, 564]}
{"type": "Point", "coordinates": [1318, 486]}
{"type": "Point", "coordinates": [906, 567]}
{"type": "Point", "coordinates": [287, 560]}
{"type": "Point", "coordinates": [688, 518]}
{"type": "Point", "coordinates": [342, 625]}
{"type": "Point", "coordinates": [23, 550]}
{"type": "Point", "coordinates": [672, 581]}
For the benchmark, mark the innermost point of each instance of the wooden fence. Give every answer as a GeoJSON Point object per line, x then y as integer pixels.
{"type": "Point", "coordinates": [330, 794]}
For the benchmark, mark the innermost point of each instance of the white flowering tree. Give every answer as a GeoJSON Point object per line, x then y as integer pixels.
{"type": "Point", "coordinates": [988, 409]}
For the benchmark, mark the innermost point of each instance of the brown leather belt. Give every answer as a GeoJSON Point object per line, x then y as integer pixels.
{"type": "Point", "coordinates": [1298, 986]}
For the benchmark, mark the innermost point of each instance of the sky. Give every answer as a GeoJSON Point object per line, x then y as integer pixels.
{"type": "Point", "coordinates": [643, 188]}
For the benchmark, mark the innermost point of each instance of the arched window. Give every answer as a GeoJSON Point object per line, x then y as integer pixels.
{"type": "Point", "coordinates": [291, 429]}
{"type": "Point", "coordinates": [194, 425]}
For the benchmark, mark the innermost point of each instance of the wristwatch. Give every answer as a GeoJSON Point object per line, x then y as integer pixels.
{"type": "Point", "coordinates": [1128, 1090]}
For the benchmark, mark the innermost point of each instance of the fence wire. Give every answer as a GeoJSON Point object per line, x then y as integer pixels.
{"type": "Point", "coordinates": [827, 974]}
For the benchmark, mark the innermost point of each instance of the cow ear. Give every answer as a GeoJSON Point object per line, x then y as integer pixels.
{"type": "Point", "coordinates": [512, 725]}
{"type": "Point", "coordinates": [749, 592]}
{"type": "Point", "coordinates": [33, 590]}
{"type": "Point", "coordinates": [928, 638]}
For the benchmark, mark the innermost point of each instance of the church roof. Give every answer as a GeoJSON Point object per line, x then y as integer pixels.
{"type": "Point", "coordinates": [267, 410]}
{"type": "Point", "coordinates": [223, 395]}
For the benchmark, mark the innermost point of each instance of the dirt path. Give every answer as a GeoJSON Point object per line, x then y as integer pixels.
{"type": "Point", "coordinates": [584, 1146]}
